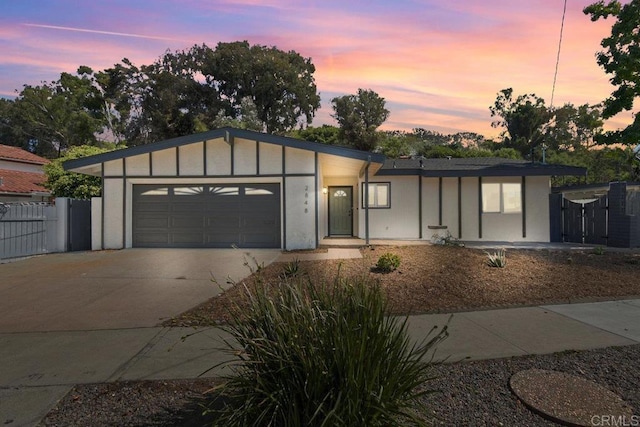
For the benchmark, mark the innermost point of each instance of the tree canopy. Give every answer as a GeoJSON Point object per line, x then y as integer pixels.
{"type": "Point", "coordinates": [358, 117]}
{"type": "Point", "coordinates": [63, 183]}
{"type": "Point", "coordinates": [621, 59]}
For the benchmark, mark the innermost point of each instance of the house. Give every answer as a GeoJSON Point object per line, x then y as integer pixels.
{"type": "Point", "coordinates": [21, 176]}
{"type": "Point", "coordinates": [237, 187]}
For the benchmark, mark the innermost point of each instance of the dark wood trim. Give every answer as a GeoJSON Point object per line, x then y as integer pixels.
{"type": "Point", "coordinates": [204, 158]}
{"type": "Point", "coordinates": [317, 193]}
{"type": "Point", "coordinates": [232, 147]}
{"type": "Point", "coordinates": [177, 161]}
{"type": "Point", "coordinates": [420, 207]}
{"type": "Point", "coordinates": [459, 207]}
{"type": "Point", "coordinates": [523, 195]}
{"type": "Point", "coordinates": [284, 202]}
{"type": "Point", "coordinates": [102, 207]}
{"type": "Point", "coordinates": [272, 175]}
{"type": "Point", "coordinates": [257, 158]}
{"type": "Point", "coordinates": [480, 207]}
{"type": "Point", "coordinates": [150, 164]}
{"type": "Point", "coordinates": [124, 203]}
{"type": "Point", "coordinates": [366, 205]}
{"type": "Point", "coordinates": [440, 201]}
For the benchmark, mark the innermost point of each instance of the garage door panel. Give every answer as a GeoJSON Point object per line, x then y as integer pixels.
{"type": "Point", "coordinates": [246, 215]}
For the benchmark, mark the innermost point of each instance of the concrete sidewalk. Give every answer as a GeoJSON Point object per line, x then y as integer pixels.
{"type": "Point", "coordinates": [39, 368]}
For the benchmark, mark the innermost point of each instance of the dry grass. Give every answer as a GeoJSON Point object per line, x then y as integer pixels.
{"type": "Point", "coordinates": [446, 278]}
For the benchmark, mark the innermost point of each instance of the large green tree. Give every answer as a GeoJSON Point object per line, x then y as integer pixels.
{"type": "Point", "coordinates": [359, 116]}
{"type": "Point", "coordinates": [523, 119]}
{"type": "Point", "coordinates": [621, 59]}
{"type": "Point", "coordinates": [63, 183]}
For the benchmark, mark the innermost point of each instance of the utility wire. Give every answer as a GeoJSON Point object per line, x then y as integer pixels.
{"type": "Point", "coordinates": [555, 75]}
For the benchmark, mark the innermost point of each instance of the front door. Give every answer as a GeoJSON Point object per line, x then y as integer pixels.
{"type": "Point", "coordinates": [340, 211]}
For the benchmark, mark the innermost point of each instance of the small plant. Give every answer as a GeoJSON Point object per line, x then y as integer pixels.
{"type": "Point", "coordinates": [291, 269]}
{"type": "Point", "coordinates": [312, 354]}
{"type": "Point", "coordinates": [598, 250]}
{"type": "Point", "coordinates": [446, 240]}
{"type": "Point", "coordinates": [388, 262]}
{"type": "Point", "coordinates": [497, 259]}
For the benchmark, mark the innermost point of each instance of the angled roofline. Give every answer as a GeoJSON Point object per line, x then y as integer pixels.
{"type": "Point", "coordinates": [227, 133]}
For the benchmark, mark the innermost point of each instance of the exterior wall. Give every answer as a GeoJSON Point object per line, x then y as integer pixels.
{"type": "Point", "coordinates": [96, 223]}
{"type": "Point", "coordinates": [450, 206]}
{"type": "Point", "coordinates": [470, 210]}
{"type": "Point", "coordinates": [401, 221]}
{"type": "Point", "coordinates": [210, 162]}
{"type": "Point", "coordinates": [300, 196]}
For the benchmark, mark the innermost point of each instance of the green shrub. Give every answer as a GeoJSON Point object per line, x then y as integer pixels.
{"type": "Point", "coordinates": [446, 240]}
{"type": "Point", "coordinates": [388, 262]}
{"type": "Point", "coordinates": [497, 259]}
{"type": "Point", "coordinates": [598, 250]}
{"type": "Point", "coordinates": [291, 269]}
{"type": "Point", "coordinates": [309, 355]}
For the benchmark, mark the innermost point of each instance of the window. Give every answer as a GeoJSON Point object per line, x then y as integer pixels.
{"type": "Point", "coordinates": [379, 195]}
{"type": "Point", "coordinates": [501, 197]}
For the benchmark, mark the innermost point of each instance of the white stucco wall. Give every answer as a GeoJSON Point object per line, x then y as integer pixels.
{"type": "Point", "coordinates": [113, 198]}
{"type": "Point", "coordinates": [470, 209]}
{"type": "Point", "coordinates": [191, 159]}
{"type": "Point", "coordinates": [138, 165]}
{"type": "Point", "coordinates": [270, 159]}
{"type": "Point", "coordinates": [450, 206]}
{"type": "Point", "coordinates": [218, 157]}
{"type": "Point", "coordinates": [245, 157]}
{"type": "Point", "coordinates": [96, 223]}
{"type": "Point", "coordinates": [164, 162]}
{"type": "Point", "coordinates": [401, 221]}
{"type": "Point", "coordinates": [299, 161]}
{"type": "Point", "coordinates": [301, 204]}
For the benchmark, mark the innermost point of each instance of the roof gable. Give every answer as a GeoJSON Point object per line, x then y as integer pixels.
{"type": "Point", "coordinates": [228, 134]}
{"type": "Point", "coordinates": [17, 154]}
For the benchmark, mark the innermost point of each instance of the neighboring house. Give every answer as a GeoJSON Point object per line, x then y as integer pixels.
{"type": "Point", "coordinates": [21, 176]}
{"type": "Point", "coordinates": [237, 187]}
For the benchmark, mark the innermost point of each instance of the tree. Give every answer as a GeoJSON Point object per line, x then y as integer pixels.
{"type": "Point", "coordinates": [523, 118]}
{"type": "Point", "coordinates": [246, 118]}
{"type": "Point", "coordinates": [358, 117]}
{"type": "Point", "coordinates": [621, 59]}
{"type": "Point", "coordinates": [325, 134]}
{"type": "Point", "coordinates": [57, 115]}
{"type": "Point", "coordinates": [62, 183]}
{"type": "Point", "coordinates": [280, 84]}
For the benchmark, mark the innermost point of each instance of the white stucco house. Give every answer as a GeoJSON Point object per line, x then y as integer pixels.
{"type": "Point", "coordinates": [237, 187]}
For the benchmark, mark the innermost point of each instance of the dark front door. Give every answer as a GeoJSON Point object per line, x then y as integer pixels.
{"type": "Point", "coordinates": [340, 211]}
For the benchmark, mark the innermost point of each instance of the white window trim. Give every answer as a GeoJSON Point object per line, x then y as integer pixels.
{"type": "Point", "coordinates": [376, 205]}
{"type": "Point", "coordinates": [501, 192]}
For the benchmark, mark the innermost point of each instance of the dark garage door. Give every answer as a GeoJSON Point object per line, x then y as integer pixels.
{"type": "Point", "coordinates": [206, 216]}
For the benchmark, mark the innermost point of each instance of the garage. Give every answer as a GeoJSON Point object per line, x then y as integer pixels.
{"type": "Point", "coordinates": [206, 216]}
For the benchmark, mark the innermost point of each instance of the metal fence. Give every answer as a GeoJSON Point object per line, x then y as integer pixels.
{"type": "Point", "coordinates": [27, 229]}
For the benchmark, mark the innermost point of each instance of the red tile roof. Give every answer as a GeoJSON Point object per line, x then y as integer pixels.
{"type": "Point", "coordinates": [7, 152]}
{"type": "Point", "coordinates": [21, 182]}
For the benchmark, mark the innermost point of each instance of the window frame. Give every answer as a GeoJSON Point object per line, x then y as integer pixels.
{"type": "Point", "coordinates": [501, 193]}
{"type": "Point", "coordinates": [386, 184]}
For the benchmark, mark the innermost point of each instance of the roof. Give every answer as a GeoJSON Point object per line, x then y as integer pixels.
{"type": "Point", "coordinates": [19, 182]}
{"type": "Point", "coordinates": [228, 134]}
{"type": "Point", "coordinates": [17, 154]}
{"type": "Point", "coordinates": [475, 166]}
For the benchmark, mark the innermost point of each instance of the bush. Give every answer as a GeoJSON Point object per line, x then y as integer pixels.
{"type": "Point", "coordinates": [310, 355]}
{"type": "Point", "coordinates": [291, 269]}
{"type": "Point", "coordinates": [388, 262]}
{"type": "Point", "coordinates": [497, 259]}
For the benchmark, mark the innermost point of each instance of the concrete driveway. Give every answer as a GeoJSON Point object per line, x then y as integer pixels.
{"type": "Point", "coordinates": [128, 288]}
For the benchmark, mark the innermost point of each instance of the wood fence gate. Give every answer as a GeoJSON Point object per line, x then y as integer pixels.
{"type": "Point", "coordinates": [585, 222]}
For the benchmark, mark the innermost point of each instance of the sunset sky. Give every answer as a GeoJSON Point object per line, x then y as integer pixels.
{"type": "Point", "coordinates": [438, 64]}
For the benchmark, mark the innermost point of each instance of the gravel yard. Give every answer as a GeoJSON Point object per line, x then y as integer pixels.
{"type": "Point", "coordinates": [430, 279]}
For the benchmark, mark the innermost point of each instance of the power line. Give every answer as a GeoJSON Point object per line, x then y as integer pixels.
{"type": "Point", "coordinates": [555, 75]}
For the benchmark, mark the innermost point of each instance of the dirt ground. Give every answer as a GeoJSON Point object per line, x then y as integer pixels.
{"type": "Point", "coordinates": [449, 278]}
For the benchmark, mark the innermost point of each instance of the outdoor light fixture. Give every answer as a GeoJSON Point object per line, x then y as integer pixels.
{"type": "Point", "coordinates": [325, 190]}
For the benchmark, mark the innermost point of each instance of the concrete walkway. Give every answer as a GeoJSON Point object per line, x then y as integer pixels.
{"type": "Point", "coordinates": [39, 368]}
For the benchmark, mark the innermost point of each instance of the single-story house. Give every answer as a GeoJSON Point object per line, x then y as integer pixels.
{"type": "Point", "coordinates": [237, 187]}
{"type": "Point", "coordinates": [21, 176]}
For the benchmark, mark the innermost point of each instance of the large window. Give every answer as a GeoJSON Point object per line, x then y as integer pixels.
{"type": "Point", "coordinates": [379, 195]}
{"type": "Point", "coordinates": [501, 197]}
